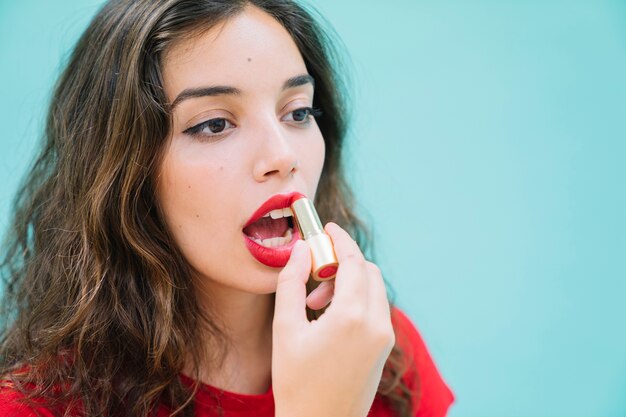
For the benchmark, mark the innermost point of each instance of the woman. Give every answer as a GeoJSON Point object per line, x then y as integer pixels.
{"type": "Point", "coordinates": [136, 285]}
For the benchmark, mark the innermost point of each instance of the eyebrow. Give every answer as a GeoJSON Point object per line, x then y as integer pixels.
{"type": "Point", "coordinates": [221, 90]}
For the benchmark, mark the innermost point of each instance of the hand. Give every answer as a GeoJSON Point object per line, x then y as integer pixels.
{"type": "Point", "coordinates": [331, 366]}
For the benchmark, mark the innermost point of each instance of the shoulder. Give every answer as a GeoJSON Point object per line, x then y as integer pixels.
{"type": "Point", "coordinates": [432, 394]}
{"type": "Point", "coordinates": [12, 403]}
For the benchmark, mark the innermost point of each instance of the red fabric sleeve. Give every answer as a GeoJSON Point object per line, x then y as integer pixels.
{"type": "Point", "coordinates": [431, 394]}
{"type": "Point", "coordinates": [11, 406]}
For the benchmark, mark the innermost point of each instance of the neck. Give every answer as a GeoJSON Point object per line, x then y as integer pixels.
{"type": "Point", "coordinates": [246, 320]}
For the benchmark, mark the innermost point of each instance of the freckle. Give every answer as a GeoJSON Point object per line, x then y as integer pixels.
{"type": "Point", "coordinates": [189, 187]}
{"type": "Point", "coordinates": [197, 215]}
{"type": "Point", "coordinates": [221, 168]}
{"type": "Point", "coordinates": [249, 59]}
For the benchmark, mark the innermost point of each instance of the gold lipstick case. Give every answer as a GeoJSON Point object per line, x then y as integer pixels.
{"type": "Point", "coordinates": [323, 259]}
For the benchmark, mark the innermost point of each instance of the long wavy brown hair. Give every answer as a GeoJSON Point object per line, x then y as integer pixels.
{"type": "Point", "coordinates": [99, 310]}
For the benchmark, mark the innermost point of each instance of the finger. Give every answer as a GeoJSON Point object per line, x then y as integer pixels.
{"type": "Point", "coordinates": [290, 304]}
{"type": "Point", "coordinates": [345, 246]}
{"type": "Point", "coordinates": [352, 287]}
{"type": "Point", "coordinates": [378, 299]}
{"type": "Point", "coordinates": [321, 296]}
{"type": "Point", "coordinates": [351, 283]}
{"type": "Point", "coordinates": [379, 307]}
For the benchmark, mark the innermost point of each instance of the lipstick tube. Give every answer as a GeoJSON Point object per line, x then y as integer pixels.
{"type": "Point", "coordinates": [323, 259]}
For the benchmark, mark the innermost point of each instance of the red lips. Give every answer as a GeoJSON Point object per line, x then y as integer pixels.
{"type": "Point", "coordinates": [277, 201]}
{"type": "Point", "coordinates": [275, 257]}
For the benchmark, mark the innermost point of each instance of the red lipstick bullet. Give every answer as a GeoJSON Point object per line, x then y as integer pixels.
{"type": "Point", "coordinates": [323, 259]}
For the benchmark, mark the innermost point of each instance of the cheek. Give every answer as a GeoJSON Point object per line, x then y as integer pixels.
{"type": "Point", "coordinates": [314, 159]}
{"type": "Point", "coordinates": [187, 191]}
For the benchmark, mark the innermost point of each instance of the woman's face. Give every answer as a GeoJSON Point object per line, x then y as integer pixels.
{"type": "Point", "coordinates": [241, 133]}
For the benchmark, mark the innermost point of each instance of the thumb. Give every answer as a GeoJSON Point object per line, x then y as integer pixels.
{"type": "Point", "coordinates": [290, 307]}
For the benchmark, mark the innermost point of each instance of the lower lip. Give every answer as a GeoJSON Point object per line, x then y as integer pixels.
{"type": "Point", "coordinates": [274, 257]}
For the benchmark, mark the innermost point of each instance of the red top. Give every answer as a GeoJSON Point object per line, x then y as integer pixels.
{"type": "Point", "coordinates": [433, 399]}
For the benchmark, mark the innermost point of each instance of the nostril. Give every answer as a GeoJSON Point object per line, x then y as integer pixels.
{"type": "Point", "coordinates": [294, 168]}
{"type": "Point", "coordinates": [284, 167]}
{"type": "Point", "coordinates": [271, 172]}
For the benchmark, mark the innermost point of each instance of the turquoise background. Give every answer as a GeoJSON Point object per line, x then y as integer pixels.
{"type": "Point", "coordinates": [488, 152]}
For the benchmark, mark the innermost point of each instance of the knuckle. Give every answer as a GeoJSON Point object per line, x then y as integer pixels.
{"type": "Point", "coordinates": [383, 333]}
{"type": "Point", "coordinates": [355, 259]}
{"type": "Point", "coordinates": [391, 339]}
{"type": "Point", "coordinates": [283, 275]}
{"type": "Point", "coordinates": [373, 268]}
{"type": "Point", "coordinates": [385, 337]}
{"type": "Point", "coordinates": [280, 323]}
{"type": "Point", "coordinates": [385, 341]}
{"type": "Point", "coordinates": [286, 278]}
{"type": "Point", "coordinates": [353, 318]}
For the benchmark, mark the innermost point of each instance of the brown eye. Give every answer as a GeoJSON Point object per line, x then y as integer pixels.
{"type": "Point", "coordinates": [216, 125]}
{"type": "Point", "coordinates": [212, 127]}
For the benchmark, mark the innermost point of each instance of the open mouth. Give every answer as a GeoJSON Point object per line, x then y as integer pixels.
{"type": "Point", "coordinates": [271, 233]}
{"type": "Point", "coordinates": [274, 229]}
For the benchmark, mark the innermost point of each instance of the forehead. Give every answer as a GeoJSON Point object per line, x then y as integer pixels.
{"type": "Point", "coordinates": [251, 51]}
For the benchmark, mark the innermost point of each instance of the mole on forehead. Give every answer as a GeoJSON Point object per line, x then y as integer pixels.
{"type": "Point", "coordinates": [249, 59]}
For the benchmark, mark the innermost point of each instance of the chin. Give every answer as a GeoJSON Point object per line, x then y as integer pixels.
{"type": "Point", "coordinates": [263, 280]}
{"type": "Point", "coordinates": [258, 280]}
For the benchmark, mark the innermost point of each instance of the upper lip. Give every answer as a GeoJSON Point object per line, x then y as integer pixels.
{"type": "Point", "coordinates": [277, 201]}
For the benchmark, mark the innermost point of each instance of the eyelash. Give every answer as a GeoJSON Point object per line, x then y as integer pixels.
{"type": "Point", "coordinates": [196, 131]}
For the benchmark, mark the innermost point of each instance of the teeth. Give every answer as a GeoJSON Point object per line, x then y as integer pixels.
{"type": "Point", "coordinates": [275, 241]}
{"type": "Point", "coordinates": [278, 213]}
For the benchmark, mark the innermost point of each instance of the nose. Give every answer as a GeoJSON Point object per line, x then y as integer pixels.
{"type": "Point", "coordinates": [276, 156]}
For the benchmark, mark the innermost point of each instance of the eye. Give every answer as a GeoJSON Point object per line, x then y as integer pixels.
{"type": "Point", "coordinates": [210, 128]}
{"type": "Point", "coordinates": [302, 115]}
